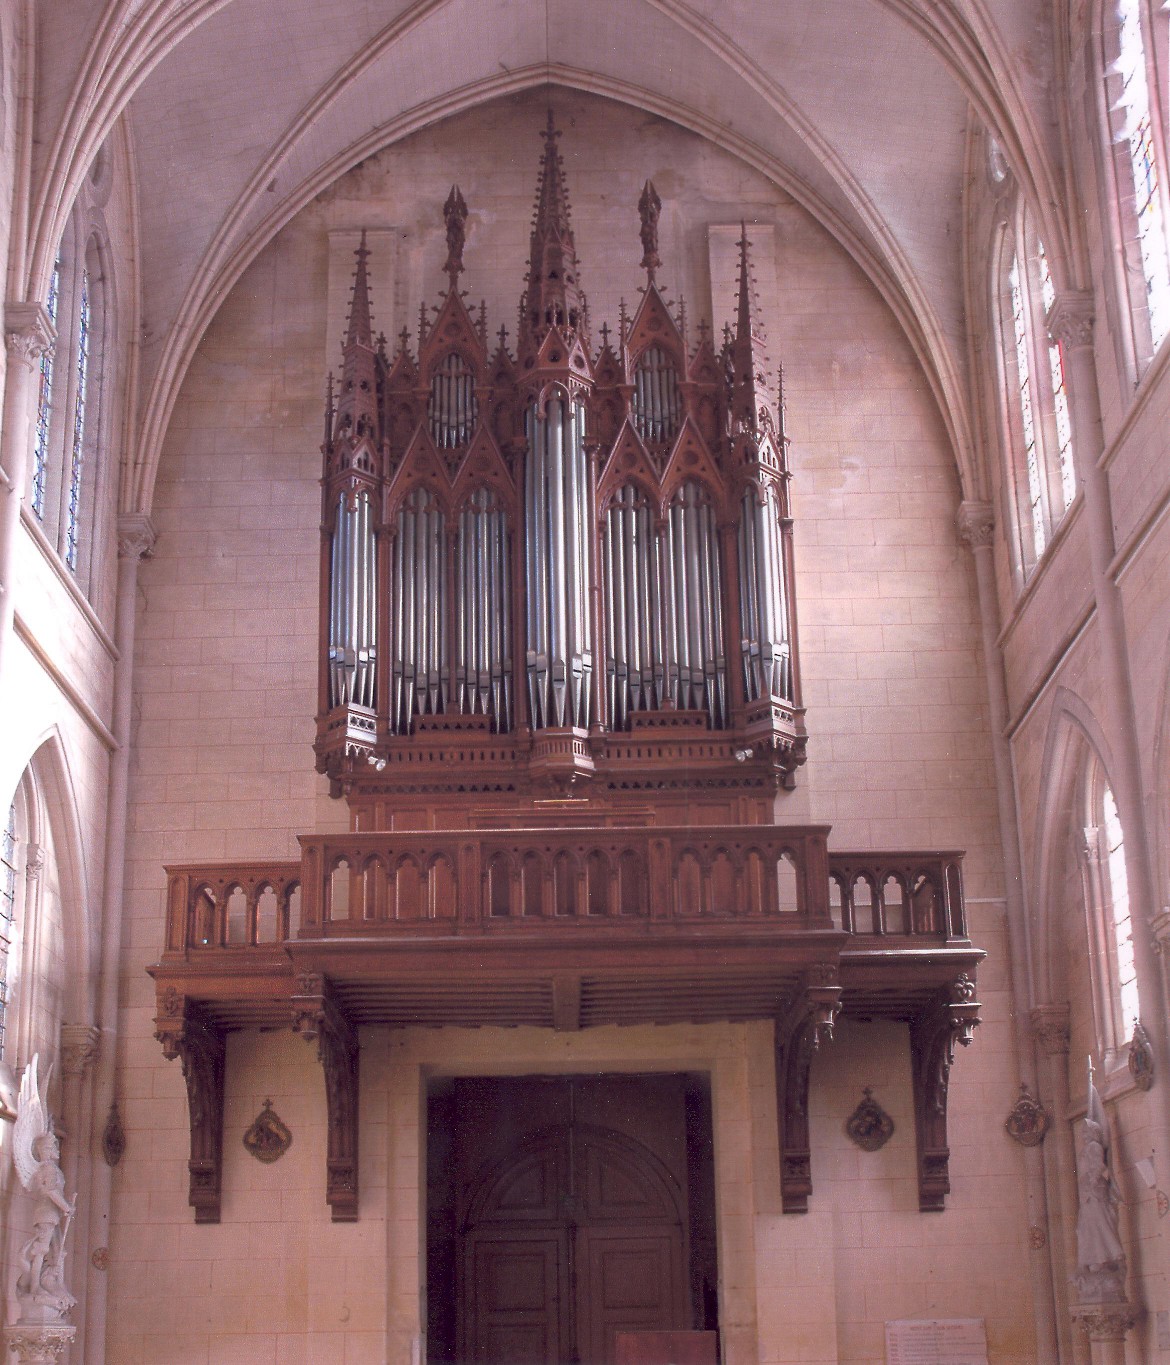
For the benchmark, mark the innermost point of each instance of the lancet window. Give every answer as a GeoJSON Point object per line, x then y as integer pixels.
{"type": "Point", "coordinates": [551, 547]}
{"type": "Point", "coordinates": [1037, 426]}
{"type": "Point", "coordinates": [1135, 30]}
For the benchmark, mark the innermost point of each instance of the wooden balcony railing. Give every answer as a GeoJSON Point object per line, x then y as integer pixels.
{"type": "Point", "coordinates": [540, 882]}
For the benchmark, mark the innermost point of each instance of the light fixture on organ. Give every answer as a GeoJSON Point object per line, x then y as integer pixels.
{"type": "Point", "coordinates": [529, 560]}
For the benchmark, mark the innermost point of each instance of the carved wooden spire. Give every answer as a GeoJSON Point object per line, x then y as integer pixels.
{"type": "Point", "coordinates": [454, 215]}
{"type": "Point", "coordinates": [752, 406]}
{"type": "Point", "coordinates": [649, 207]}
{"type": "Point", "coordinates": [357, 405]}
{"type": "Point", "coordinates": [553, 297]}
{"type": "Point", "coordinates": [360, 331]}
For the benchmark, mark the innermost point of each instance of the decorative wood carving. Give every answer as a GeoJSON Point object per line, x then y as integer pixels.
{"type": "Point", "coordinates": [524, 557]}
{"type": "Point", "coordinates": [869, 1126]}
{"type": "Point", "coordinates": [317, 1015]}
{"type": "Point", "coordinates": [186, 1032]}
{"type": "Point", "coordinates": [948, 1019]}
{"type": "Point", "coordinates": [802, 1027]}
{"type": "Point", "coordinates": [269, 1137]}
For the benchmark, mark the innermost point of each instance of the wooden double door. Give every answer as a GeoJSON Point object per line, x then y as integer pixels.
{"type": "Point", "coordinates": [578, 1207]}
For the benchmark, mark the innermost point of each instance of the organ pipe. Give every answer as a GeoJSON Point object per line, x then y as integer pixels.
{"type": "Point", "coordinates": [352, 605]}
{"type": "Point", "coordinates": [767, 653]}
{"type": "Point", "coordinates": [557, 512]}
{"type": "Point", "coordinates": [663, 607]}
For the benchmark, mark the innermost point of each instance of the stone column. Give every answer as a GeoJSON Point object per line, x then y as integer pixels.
{"type": "Point", "coordinates": [136, 539]}
{"type": "Point", "coordinates": [29, 333]}
{"type": "Point", "coordinates": [1071, 324]}
{"type": "Point", "coordinates": [1106, 1325]}
{"type": "Point", "coordinates": [80, 1048]}
{"type": "Point", "coordinates": [1050, 1028]}
{"type": "Point", "coordinates": [976, 529]}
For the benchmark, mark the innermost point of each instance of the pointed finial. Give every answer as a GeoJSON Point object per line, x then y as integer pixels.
{"type": "Point", "coordinates": [422, 326]}
{"type": "Point", "coordinates": [604, 335]}
{"type": "Point", "coordinates": [623, 322]}
{"type": "Point", "coordinates": [483, 323]}
{"type": "Point", "coordinates": [329, 409]}
{"type": "Point", "coordinates": [649, 207]}
{"type": "Point", "coordinates": [403, 341]}
{"type": "Point", "coordinates": [454, 215]}
{"type": "Point", "coordinates": [360, 327]}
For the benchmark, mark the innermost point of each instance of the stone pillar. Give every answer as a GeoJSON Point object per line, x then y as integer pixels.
{"type": "Point", "coordinates": [29, 334]}
{"type": "Point", "coordinates": [1106, 1325]}
{"type": "Point", "coordinates": [976, 529]}
{"type": "Point", "coordinates": [135, 542]}
{"type": "Point", "coordinates": [1050, 1028]}
{"type": "Point", "coordinates": [80, 1049]}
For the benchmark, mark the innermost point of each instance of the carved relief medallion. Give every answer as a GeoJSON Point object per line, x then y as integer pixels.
{"type": "Point", "coordinates": [1027, 1120]}
{"type": "Point", "coordinates": [268, 1138]}
{"type": "Point", "coordinates": [869, 1126]}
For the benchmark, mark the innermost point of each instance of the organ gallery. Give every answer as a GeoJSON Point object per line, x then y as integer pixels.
{"type": "Point", "coordinates": [559, 695]}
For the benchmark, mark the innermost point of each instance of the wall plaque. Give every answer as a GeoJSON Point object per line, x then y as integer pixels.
{"type": "Point", "coordinates": [936, 1341]}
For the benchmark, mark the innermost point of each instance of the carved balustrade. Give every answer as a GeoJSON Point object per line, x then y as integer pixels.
{"type": "Point", "coordinates": [532, 881]}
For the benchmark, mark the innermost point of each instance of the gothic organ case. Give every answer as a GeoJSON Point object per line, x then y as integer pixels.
{"type": "Point", "coordinates": [531, 557]}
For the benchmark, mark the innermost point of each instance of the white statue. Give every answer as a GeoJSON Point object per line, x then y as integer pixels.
{"type": "Point", "coordinates": [40, 1286]}
{"type": "Point", "coordinates": [1100, 1276]}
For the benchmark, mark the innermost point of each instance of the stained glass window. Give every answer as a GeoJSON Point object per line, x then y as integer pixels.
{"type": "Point", "coordinates": [1113, 854]}
{"type": "Point", "coordinates": [77, 454]}
{"type": "Point", "coordinates": [1024, 377]}
{"type": "Point", "coordinates": [1151, 229]}
{"type": "Point", "coordinates": [45, 404]}
{"type": "Point", "coordinates": [1068, 481]}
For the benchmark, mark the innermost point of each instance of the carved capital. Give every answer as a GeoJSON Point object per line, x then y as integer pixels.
{"type": "Point", "coordinates": [1161, 927]}
{"type": "Point", "coordinates": [1105, 1321]}
{"type": "Point", "coordinates": [1070, 319]}
{"type": "Point", "coordinates": [29, 332]}
{"type": "Point", "coordinates": [976, 523]}
{"type": "Point", "coordinates": [80, 1048]}
{"type": "Point", "coordinates": [34, 862]}
{"type": "Point", "coordinates": [1050, 1028]}
{"type": "Point", "coordinates": [136, 536]}
{"type": "Point", "coordinates": [40, 1345]}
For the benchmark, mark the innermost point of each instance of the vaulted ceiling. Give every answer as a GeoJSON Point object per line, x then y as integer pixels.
{"type": "Point", "coordinates": [238, 113]}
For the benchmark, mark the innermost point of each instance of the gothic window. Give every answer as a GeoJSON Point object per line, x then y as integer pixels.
{"type": "Point", "coordinates": [67, 431]}
{"type": "Point", "coordinates": [1110, 925]}
{"type": "Point", "coordinates": [1134, 46]}
{"type": "Point", "coordinates": [1037, 427]}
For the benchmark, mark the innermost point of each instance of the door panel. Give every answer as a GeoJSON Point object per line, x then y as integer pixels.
{"type": "Point", "coordinates": [571, 1220]}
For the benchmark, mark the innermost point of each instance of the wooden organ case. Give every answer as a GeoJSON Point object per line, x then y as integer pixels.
{"type": "Point", "coordinates": [559, 689]}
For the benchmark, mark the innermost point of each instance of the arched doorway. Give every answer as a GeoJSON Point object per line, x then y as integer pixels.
{"type": "Point", "coordinates": [577, 1207]}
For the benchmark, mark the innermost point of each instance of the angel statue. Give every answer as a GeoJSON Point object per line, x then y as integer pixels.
{"type": "Point", "coordinates": [40, 1286]}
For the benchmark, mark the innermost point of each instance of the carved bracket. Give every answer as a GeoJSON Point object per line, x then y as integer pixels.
{"type": "Point", "coordinates": [317, 1015]}
{"type": "Point", "coordinates": [186, 1032]}
{"type": "Point", "coordinates": [950, 1018]}
{"type": "Point", "coordinates": [801, 1028]}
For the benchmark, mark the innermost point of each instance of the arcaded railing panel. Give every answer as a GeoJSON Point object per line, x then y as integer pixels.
{"type": "Point", "coordinates": [532, 882]}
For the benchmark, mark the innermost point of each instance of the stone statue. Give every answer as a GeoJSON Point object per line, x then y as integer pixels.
{"type": "Point", "coordinates": [40, 1285]}
{"type": "Point", "coordinates": [1101, 1265]}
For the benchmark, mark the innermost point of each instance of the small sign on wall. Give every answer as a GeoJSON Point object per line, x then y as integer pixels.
{"type": "Point", "coordinates": [936, 1341]}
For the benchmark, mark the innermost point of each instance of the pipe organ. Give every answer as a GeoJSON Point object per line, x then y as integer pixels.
{"type": "Point", "coordinates": [534, 557]}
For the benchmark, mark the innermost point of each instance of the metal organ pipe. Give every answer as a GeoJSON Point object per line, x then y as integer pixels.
{"type": "Point", "coordinates": [765, 629]}
{"type": "Point", "coordinates": [352, 603]}
{"type": "Point", "coordinates": [657, 402]}
{"type": "Point", "coordinates": [558, 512]}
{"type": "Point", "coordinates": [453, 406]}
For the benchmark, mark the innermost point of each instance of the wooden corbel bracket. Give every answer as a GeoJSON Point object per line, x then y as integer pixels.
{"type": "Point", "coordinates": [185, 1031]}
{"type": "Point", "coordinates": [317, 1015]}
{"type": "Point", "coordinates": [948, 1019]}
{"type": "Point", "coordinates": [800, 1030]}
